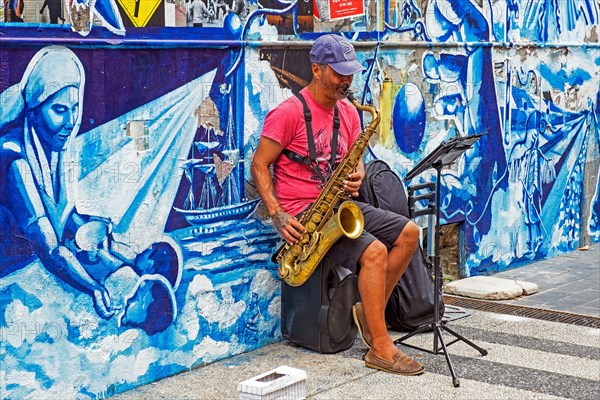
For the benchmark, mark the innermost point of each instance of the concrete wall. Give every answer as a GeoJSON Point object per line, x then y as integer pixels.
{"type": "Point", "coordinates": [132, 242]}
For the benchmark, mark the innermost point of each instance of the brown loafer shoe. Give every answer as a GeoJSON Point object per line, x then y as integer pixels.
{"type": "Point", "coordinates": [402, 364]}
{"type": "Point", "coordinates": [359, 320]}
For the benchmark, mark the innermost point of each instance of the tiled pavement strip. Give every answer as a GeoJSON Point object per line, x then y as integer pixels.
{"type": "Point", "coordinates": [527, 358]}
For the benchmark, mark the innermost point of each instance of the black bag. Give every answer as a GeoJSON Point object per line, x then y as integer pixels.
{"type": "Point", "coordinates": [318, 314]}
{"type": "Point", "coordinates": [411, 304]}
{"type": "Point", "coordinates": [382, 188]}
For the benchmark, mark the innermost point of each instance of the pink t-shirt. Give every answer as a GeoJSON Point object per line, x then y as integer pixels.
{"type": "Point", "coordinates": [296, 184]}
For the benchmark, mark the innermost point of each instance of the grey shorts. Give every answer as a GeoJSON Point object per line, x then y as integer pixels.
{"type": "Point", "coordinates": [381, 225]}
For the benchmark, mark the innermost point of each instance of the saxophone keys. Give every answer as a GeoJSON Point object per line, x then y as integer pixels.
{"type": "Point", "coordinates": [316, 218]}
{"type": "Point", "coordinates": [314, 239]}
{"type": "Point", "coordinates": [306, 238]}
{"type": "Point", "coordinates": [296, 269]}
{"type": "Point", "coordinates": [283, 272]}
{"type": "Point", "coordinates": [296, 250]}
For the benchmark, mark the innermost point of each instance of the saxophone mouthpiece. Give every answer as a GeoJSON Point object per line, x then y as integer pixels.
{"type": "Point", "coordinates": [350, 95]}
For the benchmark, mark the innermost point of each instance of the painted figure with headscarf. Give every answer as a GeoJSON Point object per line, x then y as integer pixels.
{"type": "Point", "coordinates": [39, 118]}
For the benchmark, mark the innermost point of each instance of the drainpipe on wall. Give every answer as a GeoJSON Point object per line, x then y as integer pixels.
{"type": "Point", "coordinates": [590, 180]}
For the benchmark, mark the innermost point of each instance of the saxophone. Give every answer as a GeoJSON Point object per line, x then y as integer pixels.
{"type": "Point", "coordinates": [323, 225]}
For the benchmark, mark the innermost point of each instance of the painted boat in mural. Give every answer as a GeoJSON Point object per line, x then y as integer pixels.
{"type": "Point", "coordinates": [216, 173]}
{"type": "Point", "coordinates": [226, 213]}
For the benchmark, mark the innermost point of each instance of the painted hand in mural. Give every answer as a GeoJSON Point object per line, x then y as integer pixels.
{"type": "Point", "coordinates": [150, 276]}
{"type": "Point", "coordinates": [102, 303]}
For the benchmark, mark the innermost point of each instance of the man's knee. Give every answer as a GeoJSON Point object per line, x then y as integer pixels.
{"type": "Point", "coordinates": [375, 253]}
{"type": "Point", "coordinates": [408, 239]}
{"type": "Point", "coordinates": [410, 233]}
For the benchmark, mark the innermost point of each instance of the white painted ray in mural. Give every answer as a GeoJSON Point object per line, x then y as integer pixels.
{"type": "Point", "coordinates": [137, 171]}
{"type": "Point", "coordinates": [85, 10]}
{"type": "Point", "coordinates": [575, 134]}
{"type": "Point", "coordinates": [549, 21]}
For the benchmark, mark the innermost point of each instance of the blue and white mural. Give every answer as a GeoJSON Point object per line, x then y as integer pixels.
{"type": "Point", "coordinates": [132, 242]}
{"type": "Point", "coordinates": [537, 116]}
{"type": "Point", "coordinates": [95, 254]}
{"type": "Point", "coordinates": [542, 112]}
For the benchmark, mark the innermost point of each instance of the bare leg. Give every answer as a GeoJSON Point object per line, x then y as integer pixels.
{"type": "Point", "coordinates": [372, 287]}
{"type": "Point", "coordinates": [379, 273]}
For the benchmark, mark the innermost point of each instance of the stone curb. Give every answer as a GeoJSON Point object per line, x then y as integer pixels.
{"type": "Point", "coordinates": [490, 288]}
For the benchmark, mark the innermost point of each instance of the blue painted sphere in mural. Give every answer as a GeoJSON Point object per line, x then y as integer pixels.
{"type": "Point", "coordinates": [408, 118]}
{"type": "Point", "coordinates": [232, 26]}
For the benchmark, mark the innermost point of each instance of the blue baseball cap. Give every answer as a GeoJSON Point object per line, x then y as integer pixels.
{"type": "Point", "coordinates": [336, 52]}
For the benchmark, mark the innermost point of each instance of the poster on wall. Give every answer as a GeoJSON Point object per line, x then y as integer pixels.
{"type": "Point", "coordinates": [290, 21]}
{"type": "Point", "coordinates": [210, 13]}
{"type": "Point", "coordinates": [329, 10]}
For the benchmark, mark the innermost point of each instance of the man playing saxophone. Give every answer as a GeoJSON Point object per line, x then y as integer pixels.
{"type": "Point", "coordinates": [382, 252]}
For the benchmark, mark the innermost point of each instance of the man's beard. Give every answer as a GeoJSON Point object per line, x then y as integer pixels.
{"type": "Point", "coordinates": [341, 91]}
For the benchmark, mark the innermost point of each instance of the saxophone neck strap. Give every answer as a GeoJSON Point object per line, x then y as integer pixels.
{"type": "Point", "coordinates": [312, 158]}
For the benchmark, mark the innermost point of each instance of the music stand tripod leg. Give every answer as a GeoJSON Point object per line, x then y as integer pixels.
{"type": "Point", "coordinates": [467, 341]}
{"type": "Point", "coordinates": [438, 334]}
{"type": "Point", "coordinates": [421, 329]}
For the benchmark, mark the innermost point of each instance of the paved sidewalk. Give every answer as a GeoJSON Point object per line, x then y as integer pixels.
{"type": "Point", "coordinates": [527, 358]}
{"type": "Point", "coordinates": [569, 282]}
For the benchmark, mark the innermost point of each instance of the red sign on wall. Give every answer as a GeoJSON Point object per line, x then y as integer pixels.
{"type": "Point", "coordinates": [338, 9]}
{"type": "Point", "coordinates": [346, 8]}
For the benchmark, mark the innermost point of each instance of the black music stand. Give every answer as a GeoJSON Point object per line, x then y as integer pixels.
{"type": "Point", "coordinates": [445, 154]}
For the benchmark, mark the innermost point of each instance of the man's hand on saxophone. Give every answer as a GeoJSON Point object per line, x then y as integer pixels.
{"type": "Point", "coordinates": [288, 226]}
{"type": "Point", "coordinates": [354, 180]}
